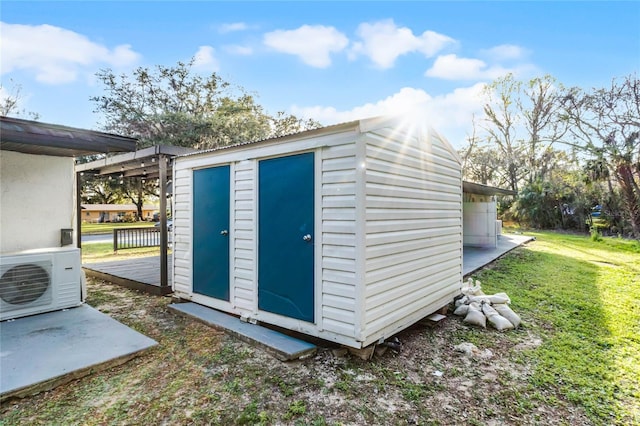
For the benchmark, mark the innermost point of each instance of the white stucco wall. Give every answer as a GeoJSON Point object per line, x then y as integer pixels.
{"type": "Point", "coordinates": [37, 199]}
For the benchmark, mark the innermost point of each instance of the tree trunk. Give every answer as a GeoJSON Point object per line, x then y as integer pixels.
{"type": "Point", "coordinates": [140, 200]}
{"type": "Point", "coordinates": [631, 198]}
{"type": "Point", "coordinates": [513, 177]}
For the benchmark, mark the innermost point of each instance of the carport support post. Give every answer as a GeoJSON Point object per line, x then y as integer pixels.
{"type": "Point", "coordinates": [79, 209]}
{"type": "Point", "coordinates": [164, 241]}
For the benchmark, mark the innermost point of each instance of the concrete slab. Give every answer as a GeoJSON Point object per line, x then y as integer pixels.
{"type": "Point", "coordinates": [280, 345]}
{"type": "Point", "coordinates": [43, 351]}
{"type": "Point", "coordinates": [475, 258]}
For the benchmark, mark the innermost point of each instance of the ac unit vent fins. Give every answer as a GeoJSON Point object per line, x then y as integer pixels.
{"type": "Point", "coordinates": [23, 284]}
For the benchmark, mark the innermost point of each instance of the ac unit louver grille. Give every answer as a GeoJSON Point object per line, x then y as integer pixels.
{"type": "Point", "coordinates": [23, 284]}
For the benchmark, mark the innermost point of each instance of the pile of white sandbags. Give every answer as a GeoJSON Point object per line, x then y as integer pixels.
{"type": "Point", "coordinates": [477, 307]}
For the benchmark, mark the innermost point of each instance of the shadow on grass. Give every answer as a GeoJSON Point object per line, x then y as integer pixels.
{"type": "Point", "coordinates": [559, 294]}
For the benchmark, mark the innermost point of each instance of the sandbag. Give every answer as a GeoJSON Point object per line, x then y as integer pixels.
{"type": "Point", "coordinates": [472, 289]}
{"type": "Point", "coordinates": [491, 299]}
{"type": "Point", "coordinates": [462, 301]}
{"type": "Point", "coordinates": [499, 322]}
{"type": "Point", "coordinates": [461, 310]}
{"type": "Point", "coordinates": [502, 296]}
{"type": "Point", "coordinates": [475, 316]}
{"type": "Point", "coordinates": [508, 313]}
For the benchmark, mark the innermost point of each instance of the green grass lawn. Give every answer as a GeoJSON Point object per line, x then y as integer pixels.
{"type": "Point", "coordinates": [107, 228]}
{"type": "Point", "coordinates": [574, 361]}
{"type": "Point", "coordinates": [582, 297]}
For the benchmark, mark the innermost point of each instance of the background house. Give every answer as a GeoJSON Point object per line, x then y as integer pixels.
{"type": "Point", "coordinates": [99, 213]}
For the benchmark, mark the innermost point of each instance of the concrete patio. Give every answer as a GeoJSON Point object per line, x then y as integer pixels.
{"type": "Point", "coordinates": [475, 258]}
{"type": "Point", "coordinates": [40, 352]}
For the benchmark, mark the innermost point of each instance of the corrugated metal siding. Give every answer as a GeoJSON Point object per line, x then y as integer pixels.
{"type": "Point", "coordinates": [413, 228]}
{"type": "Point", "coordinates": [182, 202]}
{"type": "Point", "coordinates": [244, 256]}
{"type": "Point", "coordinates": [339, 239]}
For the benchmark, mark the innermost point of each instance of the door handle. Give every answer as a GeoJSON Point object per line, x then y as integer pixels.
{"type": "Point", "coordinates": [224, 232]}
{"type": "Point", "coordinates": [307, 237]}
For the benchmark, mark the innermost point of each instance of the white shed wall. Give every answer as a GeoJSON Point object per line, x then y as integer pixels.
{"type": "Point", "coordinates": [335, 216]}
{"type": "Point", "coordinates": [37, 194]}
{"type": "Point", "coordinates": [413, 230]}
{"type": "Point", "coordinates": [338, 219]}
{"type": "Point", "coordinates": [182, 230]}
{"type": "Point", "coordinates": [243, 256]}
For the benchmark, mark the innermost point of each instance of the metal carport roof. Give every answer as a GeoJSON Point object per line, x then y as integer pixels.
{"type": "Point", "coordinates": [34, 137]}
{"type": "Point", "coordinates": [480, 189]}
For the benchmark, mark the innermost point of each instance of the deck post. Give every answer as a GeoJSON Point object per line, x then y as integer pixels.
{"type": "Point", "coordinates": [164, 241]}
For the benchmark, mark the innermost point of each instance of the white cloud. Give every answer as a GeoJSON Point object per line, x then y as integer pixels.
{"type": "Point", "coordinates": [452, 67]}
{"type": "Point", "coordinates": [205, 60]}
{"type": "Point", "coordinates": [313, 44]}
{"type": "Point", "coordinates": [232, 27]}
{"type": "Point", "coordinates": [122, 56]}
{"type": "Point", "coordinates": [450, 114]}
{"type": "Point", "coordinates": [235, 49]}
{"type": "Point", "coordinates": [56, 55]}
{"type": "Point", "coordinates": [383, 42]}
{"type": "Point", "coordinates": [405, 100]}
{"type": "Point", "coordinates": [505, 52]}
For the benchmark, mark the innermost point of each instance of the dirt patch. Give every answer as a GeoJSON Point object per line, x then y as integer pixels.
{"type": "Point", "coordinates": [198, 375]}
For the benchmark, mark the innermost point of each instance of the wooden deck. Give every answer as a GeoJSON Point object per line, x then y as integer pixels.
{"type": "Point", "coordinates": [141, 273]}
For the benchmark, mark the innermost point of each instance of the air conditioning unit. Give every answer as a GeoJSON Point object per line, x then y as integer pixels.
{"type": "Point", "coordinates": [37, 281]}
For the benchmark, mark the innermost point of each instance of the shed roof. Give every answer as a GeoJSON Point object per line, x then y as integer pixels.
{"type": "Point", "coordinates": [362, 125]}
{"type": "Point", "coordinates": [478, 188]}
{"type": "Point", "coordinates": [34, 137]}
{"type": "Point", "coordinates": [335, 128]}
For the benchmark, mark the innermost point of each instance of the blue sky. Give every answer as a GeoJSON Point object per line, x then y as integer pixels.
{"type": "Point", "coordinates": [332, 61]}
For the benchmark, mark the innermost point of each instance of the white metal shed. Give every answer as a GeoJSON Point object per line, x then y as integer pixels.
{"type": "Point", "coordinates": [349, 233]}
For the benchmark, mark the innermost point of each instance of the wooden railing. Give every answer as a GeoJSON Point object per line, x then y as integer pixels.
{"type": "Point", "coordinates": [127, 238]}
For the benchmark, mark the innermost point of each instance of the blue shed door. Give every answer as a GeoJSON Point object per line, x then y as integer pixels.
{"type": "Point", "coordinates": [285, 236]}
{"type": "Point", "coordinates": [211, 232]}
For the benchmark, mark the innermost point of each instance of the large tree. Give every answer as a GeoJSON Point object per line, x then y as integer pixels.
{"type": "Point", "coordinates": [100, 189]}
{"type": "Point", "coordinates": [500, 126]}
{"type": "Point", "coordinates": [521, 126]}
{"type": "Point", "coordinates": [605, 124]}
{"type": "Point", "coordinates": [540, 110]}
{"type": "Point", "coordinates": [173, 105]}
{"type": "Point", "coordinates": [137, 190]}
